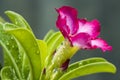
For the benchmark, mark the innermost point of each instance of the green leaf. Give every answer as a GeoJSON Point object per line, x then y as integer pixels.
{"type": "Point", "coordinates": [10, 25]}
{"type": "Point", "coordinates": [85, 62]}
{"type": "Point", "coordinates": [48, 35]}
{"type": "Point", "coordinates": [2, 20]}
{"type": "Point", "coordinates": [14, 55]}
{"type": "Point", "coordinates": [17, 19]}
{"type": "Point", "coordinates": [54, 41]}
{"type": "Point", "coordinates": [43, 51]}
{"type": "Point", "coordinates": [7, 73]}
{"type": "Point", "coordinates": [30, 45]}
{"type": "Point", "coordinates": [87, 67]}
{"type": "Point", "coordinates": [25, 64]}
{"type": "Point", "coordinates": [11, 51]}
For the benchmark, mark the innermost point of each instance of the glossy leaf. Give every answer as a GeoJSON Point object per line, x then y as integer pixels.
{"type": "Point", "coordinates": [2, 20]}
{"type": "Point", "coordinates": [9, 25]}
{"type": "Point", "coordinates": [7, 73]}
{"type": "Point", "coordinates": [48, 35]}
{"type": "Point", "coordinates": [54, 41]}
{"type": "Point", "coordinates": [27, 58]}
{"type": "Point", "coordinates": [87, 67]}
{"type": "Point", "coordinates": [11, 51]}
{"type": "Point", "coordinates": [43, 51]}
{"type": "Point", "coordinates": [15, 49]}
{"type": "Point", "coordinates": [25, 63]}
{"type": "Point", "coordinates": [17, 19]}
{"type": "Point", "coordinates": [30, 45]}
{"type": "Point", "coordinates": [85, 62]}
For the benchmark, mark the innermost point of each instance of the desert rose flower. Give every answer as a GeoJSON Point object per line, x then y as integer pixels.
{"type": "Point", "coordinates": [80, 32]}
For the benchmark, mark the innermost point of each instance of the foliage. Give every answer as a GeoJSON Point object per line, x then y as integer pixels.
{"type": "Point", "coordinates": [29, 58]}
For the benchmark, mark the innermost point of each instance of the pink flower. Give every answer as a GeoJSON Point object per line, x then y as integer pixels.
{"type": "Point", "coordinates": [80, 32]}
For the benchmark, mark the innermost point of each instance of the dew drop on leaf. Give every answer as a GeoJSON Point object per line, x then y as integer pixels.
{"type": "Point", "coordinates": [37, 52]}
{"type": "Point", "coordinates": [20, 57]}
{"type": "Point", "coordinates": [23, 75]}
{"type": "Point", "coordinates": [80, 63]}
{"type": "Point", "coordinates": [7, 43]}
{"type": "Point", "coordinates": [16, 21]}
{"type": "Point", "coordinates": [35, 44]}
{"type": "Point", "coordinates": [11, 38]}
{"type": "Point", "coordinates": [13, 46]}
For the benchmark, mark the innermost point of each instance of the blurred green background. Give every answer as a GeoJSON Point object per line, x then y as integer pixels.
{"type": "Point", "coordinates": [41, 15]}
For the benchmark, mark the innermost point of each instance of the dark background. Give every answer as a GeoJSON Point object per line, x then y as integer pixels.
{"type": "Point", "coordinates": [41, 15]}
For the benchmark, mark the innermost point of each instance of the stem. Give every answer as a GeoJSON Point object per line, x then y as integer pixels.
{"type": "Point", "coordinates": [63, 54]}
{"type": "Point", "coordinates": [57, 75]}
{"type": "Point", "coordinates": [43, 74]}
{"type": "Point", "coordinates": [49, 71]}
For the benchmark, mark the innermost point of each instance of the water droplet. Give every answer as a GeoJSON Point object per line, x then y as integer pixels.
{"type": "Point", "coordinates": [35, 44]}
{"type": "Point", "coordinates": [20, 56]}
{"type": "Point", "coordinates": [13, 46]}
{"type": "Point", "coordinates": [7, 43]}
{"type": "Point", "coordinates": [16, 21]}
{"type": "Point", "coordinates": [12, 38]}
{"type": "Point", "coordinates": [23, 75]}
{"type": "Point", "coordinates": [38, 52]}
{"type": "Point", "coordinates": [58, 59]}
{"type": "Point", "coordinates": [54, 70]}
{"type": "Point", "coordinates": [80, 63]}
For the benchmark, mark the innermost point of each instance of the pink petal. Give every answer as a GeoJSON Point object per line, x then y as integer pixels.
{"type": "Point", "coordinates": [92, 28]}
{"type": "Point", "coordinates": [61, 24]}
{"type": "Point", "coordinates": [71, 18]}
{"type": "Point", "coordinates": [81, 40]}
{"type": "Point", "coordinates": [100, 43]}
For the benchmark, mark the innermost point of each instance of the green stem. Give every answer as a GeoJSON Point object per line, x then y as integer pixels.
{"type": "Point", "coordinates": [49, 72]}
{"type": "Point", "coordinates": [64, 52]}
{"type": "Point", "coordinates": [43, 74]}
{"type": "Point", "coordinates": [57, 75]}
